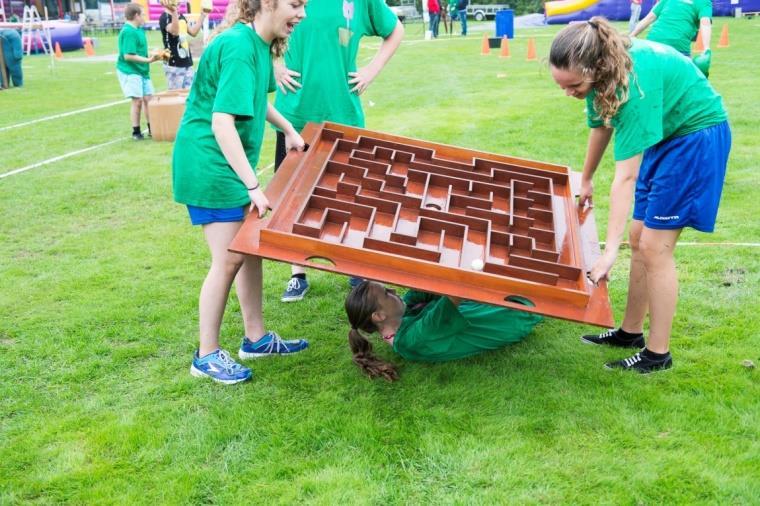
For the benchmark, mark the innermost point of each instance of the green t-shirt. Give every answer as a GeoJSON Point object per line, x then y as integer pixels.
{"type": "Point", "coordinates": [667, 97]}
{"type": "Point", "coordinates": [132, 41]}
{"type": "Point", "coordinates": [434, 330]}
{"type": "Point", "coordinates": [233, 77]}
{"type": "Point", "coordinates": [678, 22]}
{"type": "Point", "coordinates": [323, 48]}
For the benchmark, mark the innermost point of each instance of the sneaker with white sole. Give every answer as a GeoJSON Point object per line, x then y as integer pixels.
{"type": "Point", "coordinates": [270, 344]}
{"type": "Point", "coordinates": [295, 290]}
{"type": "Point", "coordinates": [220, 367]}
{"type": "Point", "coordinates": [641, 362]}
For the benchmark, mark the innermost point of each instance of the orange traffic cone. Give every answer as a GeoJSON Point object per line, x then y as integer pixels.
{"type": "Point", "coordinates": [58, 52]}
{"type": "Point", "coordinates": [504, 53]}
{"type": "Point", "coordinates": [88, 47]}
{"type": "Point", "coordinates": [723, 37]}
{"type": "Point", "coordinates": [484, 49]}
{"type": "Point", "coordinates": [531, 50]}
{"type": "Point", "coordinates": [699, 46]}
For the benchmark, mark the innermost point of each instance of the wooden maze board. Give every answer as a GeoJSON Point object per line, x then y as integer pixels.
{"type": "Point", "coordinates": [417, 214]}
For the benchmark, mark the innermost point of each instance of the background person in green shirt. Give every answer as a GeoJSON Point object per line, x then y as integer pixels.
{"type": "Point", "coordinates": [677, 22]}
{"type": "Point", "coordinates": [424, 327]}
{"type": "Point", "coordinates": [672, 142]}
{"type": "Point", "coordinates": [133, 66]}
{"type": "Point", "coordinates": [320, 81]}
{"type": "Point", "coordinates": [215, 153]}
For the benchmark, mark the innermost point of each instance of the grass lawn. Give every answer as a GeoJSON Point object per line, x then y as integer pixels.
{"type": "Point", "coordinates": [99, 279]}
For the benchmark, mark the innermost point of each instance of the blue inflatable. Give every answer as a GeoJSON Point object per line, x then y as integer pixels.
{"type": "Point", "coordinates": [566, 11]}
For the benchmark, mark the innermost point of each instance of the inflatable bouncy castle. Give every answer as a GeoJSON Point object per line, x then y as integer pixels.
{"type": "Point", "coordinates": [566, 11]}
{"type": "Point", "coordinates": [154, 9]}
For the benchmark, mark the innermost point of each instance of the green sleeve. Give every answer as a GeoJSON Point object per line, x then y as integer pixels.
{"type": "Point", "coordinates": [439, 319]}
{"type": "Point", "coordinates": [381, 17]}
{"type": "Point", "coordinates": [658, 8]}
{"type": "Point", "coordinates": [129, 42]}
{"type": "Point", "coordinates": [704, 8]}
{"type": "Point", "coordinates": [236, 81]}
{"type": "Point", "coordinates": [413, 297]}
{"type": "Point", "coordinates": [592, 118]}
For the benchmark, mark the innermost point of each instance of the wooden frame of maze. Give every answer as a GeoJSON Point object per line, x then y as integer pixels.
{"type": "Point", "coordinates": [421, 214]}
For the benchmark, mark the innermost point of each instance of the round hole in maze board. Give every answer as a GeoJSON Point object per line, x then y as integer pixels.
{"type": "Point", "coordinates": [321, 261]}
{"type": "Point", "coordinates": [518, 299]}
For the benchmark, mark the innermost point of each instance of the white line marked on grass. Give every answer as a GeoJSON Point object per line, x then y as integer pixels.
{"type": "Point", "coordinates": [64, 114]}
{"type": "Point", "coordinates": [92, 59]}
{"type": "Point", "coordinates": [270, 166]}
{"type": "Point", "coordinates": [731, 244]}
{"type": "Point", "coordinates": [61, 157]}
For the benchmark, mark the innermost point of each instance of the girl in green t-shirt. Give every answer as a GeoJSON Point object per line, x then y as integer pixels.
{"type": "Point", "coordinates": [676, 22]}
{"type": "Point", "coordinates": [672, 142]}
{"type": "Point", "coordinates": [319, 80]}
{"type": "Point", "coordinates": [215, 153]}
{"type": "Point", "coordinates": [427, 328]}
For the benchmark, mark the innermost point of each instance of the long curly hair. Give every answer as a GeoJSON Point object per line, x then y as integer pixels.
{"type": "Point", "coordinates": [245, 12]}
{"type": "Point", "coordinates": [359, 308]}
{"type": "Point", "coordinates": [600, 53]}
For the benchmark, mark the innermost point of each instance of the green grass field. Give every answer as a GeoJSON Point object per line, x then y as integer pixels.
{"type": "Point", "coordinates": [99, 279]}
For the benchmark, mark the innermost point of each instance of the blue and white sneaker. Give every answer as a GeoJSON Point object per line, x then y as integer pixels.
{"type": "Point", "coordinates": [295, 290]}
{"type": "Point", "coordinates": [220, 367]}
{"type": "Point", "coordinates": [270, 344]}
{"type": "Point", "coordinates": [353, 282]}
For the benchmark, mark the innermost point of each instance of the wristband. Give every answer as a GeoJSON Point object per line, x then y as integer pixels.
{"type": "Point", "coordinates": [254, 187]}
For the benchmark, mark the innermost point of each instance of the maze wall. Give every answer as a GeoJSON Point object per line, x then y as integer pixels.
{"type": "Point", "coordinates": [433, 217]}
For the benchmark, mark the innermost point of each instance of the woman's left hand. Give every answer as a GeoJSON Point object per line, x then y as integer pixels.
{"type": "Point", "coordinates": [361, 79]}
{"type": "Point", "coordinates": [601, 269]}
{"type": "Point", "coordinates": [294, 141]}
{"type": "Point", "coordinates": [285, 78]}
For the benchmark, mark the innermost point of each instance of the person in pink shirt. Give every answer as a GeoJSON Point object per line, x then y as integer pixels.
{"type": "Point", "coordinates": [434, 9]}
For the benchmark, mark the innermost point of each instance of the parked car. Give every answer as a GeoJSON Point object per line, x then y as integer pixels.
{"type": "Point", "coordinates": [406, 10]}
{"type": "Point", "coordinates": [482, 12]}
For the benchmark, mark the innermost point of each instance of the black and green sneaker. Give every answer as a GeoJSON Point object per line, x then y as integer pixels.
{"type": "Point", "coordinates": [643, 362]}
{"type": "Point", "coordinates": [615, 337]}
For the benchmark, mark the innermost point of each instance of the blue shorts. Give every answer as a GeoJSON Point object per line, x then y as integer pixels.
{"type": "Point", "coordinates": [206, 215]}
{"type": "Point", "coordinates": [681, 179]}
{"type": "Point", "coordinates": [135, 85]}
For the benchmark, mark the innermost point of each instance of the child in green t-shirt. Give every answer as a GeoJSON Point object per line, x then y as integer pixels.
{"type": "Point", "coordinates": [427, 328]}
{"type": "Point", "coordinates": [213, 169]}
{"type": "Point", "coordinates": [319, 79]}
{"type": "Point", "coordinates": [133, 66]}
{"type": "Point", "coordinates": [676, 22]}
{"type": "Point", "coordinates": [672, 141]}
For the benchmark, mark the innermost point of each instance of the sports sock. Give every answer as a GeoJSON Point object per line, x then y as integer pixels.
{"type": "Point", "coordinates": [135, 130]}
{"type": "Point", "coordinates": [627, 335]}
{"type": "Point", "coordinates": [654, 356]}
